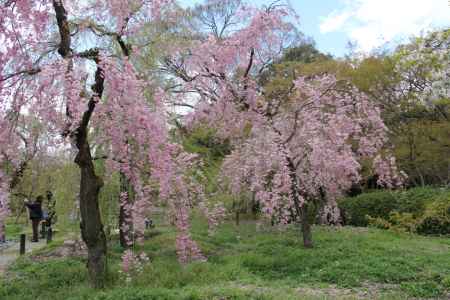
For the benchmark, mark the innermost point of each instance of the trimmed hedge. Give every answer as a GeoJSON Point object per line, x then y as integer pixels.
{"type": "Point", "coordinates": [422, 210]}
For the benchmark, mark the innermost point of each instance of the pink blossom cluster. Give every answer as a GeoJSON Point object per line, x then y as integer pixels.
{"type": "Point", "coordinates": [127, 206]}
{"type": "Point", "coordinates": [214, 215]}
{"type": "Point", "coordinates": [218, 67]}
{"type": "Point", "coordinates": [187, 249]}
{"type": "Point", "coordinates": [133, 265]}
{"type": "Point", "coordinates": [258, 164]}
{"type": "Point", "coordinates": [313, 147]}
{"type": "Point", "coordinates": [185, 193]}
{"type": "Point", "coordinates": [388, 173]}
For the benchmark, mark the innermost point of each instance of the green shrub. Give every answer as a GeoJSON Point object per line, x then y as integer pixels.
{"type": "Point", "coordinates": [436, 218]}
{"type": "Point", "coordinates": [403, 221]}
{"type": "Point", "coordinates": [421, 210]}
{"type": "Point", "coordinates": [378, 222]}
{"type": "Point", "coordinates": [415, 200]}
{"type": "Point", "coordinates": [374, 204]}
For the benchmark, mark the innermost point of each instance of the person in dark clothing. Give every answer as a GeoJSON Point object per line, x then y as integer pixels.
{"type": "Point", "coordinates": [35, 209]}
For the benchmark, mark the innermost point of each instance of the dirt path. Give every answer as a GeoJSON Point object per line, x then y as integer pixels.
{"type": "Point", "coordinates": [10, 252]}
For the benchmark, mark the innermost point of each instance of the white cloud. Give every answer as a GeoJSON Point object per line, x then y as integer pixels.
{"type": "Point", "coordinates": [334, 21]}
{"type": "Point", "coordinates": [371, 23]}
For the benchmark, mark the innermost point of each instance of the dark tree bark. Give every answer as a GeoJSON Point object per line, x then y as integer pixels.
{"type": "Point", "coordinates": [91, 224]}
{"type": "Point", "coordinates": [306, 227]}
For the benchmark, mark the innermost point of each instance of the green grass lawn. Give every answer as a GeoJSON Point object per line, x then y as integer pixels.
{"type": "Point", "coordinates": [14, 230]}
{"type": "Point", "coordinates": [246, 263]}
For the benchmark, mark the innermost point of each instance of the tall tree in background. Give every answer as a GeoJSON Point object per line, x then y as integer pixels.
{"type": "Point", "coordinates": [411, 86]}
{"type": "Point", "coordinates": [423, 69]}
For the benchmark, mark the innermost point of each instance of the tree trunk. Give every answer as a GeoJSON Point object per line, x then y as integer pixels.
{"type": "Point", "coordinates": [124, 214]}
{"type": "Point", "coordinates": [91, 224]}
{"type": "Point", "coordinates": [300, 208]}
{"type": "Point", "coordinates": [237, 211]}
{"type": "Point", "coordinates": [306, 227]}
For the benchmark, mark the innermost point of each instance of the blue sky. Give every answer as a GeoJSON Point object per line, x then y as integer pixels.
{"type": "Point", "coordinates": [369, 23]}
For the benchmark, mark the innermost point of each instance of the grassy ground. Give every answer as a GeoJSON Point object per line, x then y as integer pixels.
{"type": "Point", "coordinates": [14, 230]}
{"type": "Point", "coordinates": [250, 263]}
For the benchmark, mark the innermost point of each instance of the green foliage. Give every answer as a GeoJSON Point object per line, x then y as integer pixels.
{"type": "Point", "coordinates": [12, 230]}
{"type": "Point", "coordinates": [436, 218]}
{"type": "Point", "coordinates": [381, 203]}
{"type": "Point", "coordinates": [376, 204]}
{"type": "Point", "coordinates": [305, 53]}
{"type": "Point", "coordinates": [414, 200]}
{"type": "Point", "coordinates": [418, 116]}
{"type": "Point", "coordinates": [421, 210]}
{"type": "Point", "coordinates": [65, 188]}
{"type": "Point", "coordinates": [57, 175]}
{"type": "Point", "coordinates": [421, 140]}
{"type": "Point", "coordinates": [372, 75]}
{"type": "Point", "coordinates": [403, 221]}
{"type": "Point", "coordinates": [203, 141]}
{"type": "Point", "coordinates": [378, 222]}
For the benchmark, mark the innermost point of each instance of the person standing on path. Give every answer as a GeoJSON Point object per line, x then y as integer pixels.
{"type": "Point", "coordinates": [35, 209]}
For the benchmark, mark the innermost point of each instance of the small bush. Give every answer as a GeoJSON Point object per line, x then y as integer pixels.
{"type": "Point", "coordinates": [379, 223]}
{"type": "Point", "coordinates": [377, 204]}
{"type": "Point", "coordinates": [436, 218]}
{"type": "Point", "coordinates": [403, 221]}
